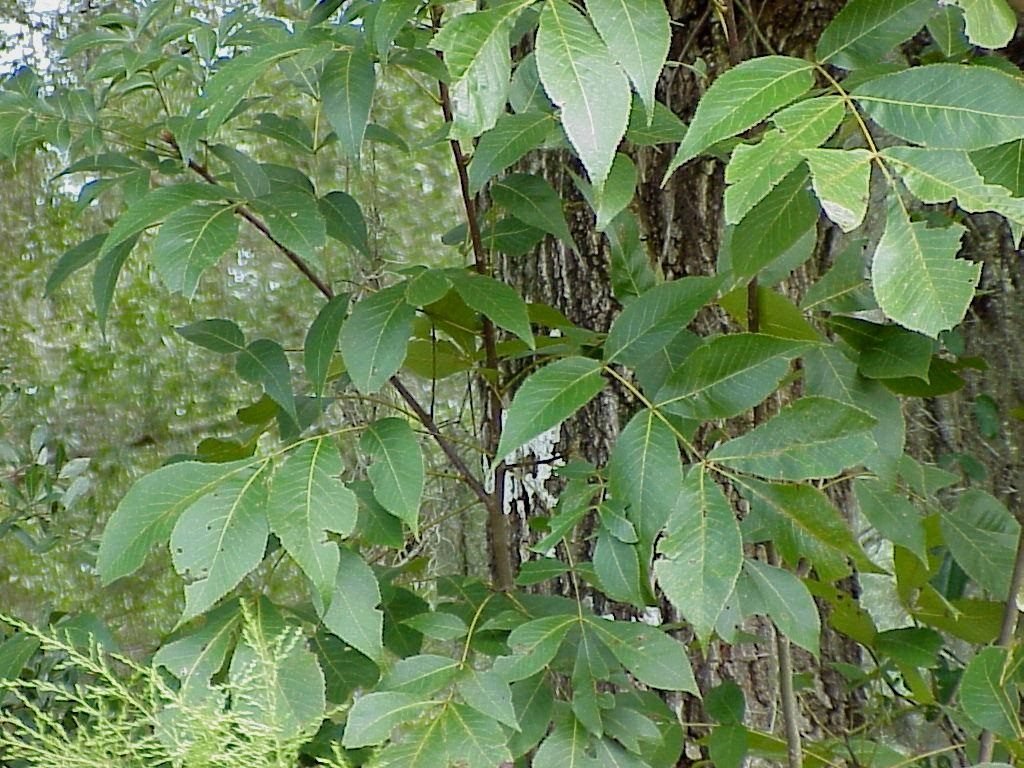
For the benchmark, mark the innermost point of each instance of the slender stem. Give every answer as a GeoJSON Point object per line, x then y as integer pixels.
{"type": "Point", "coordinates": [414, 405]}
{"type": "Point", "coordinates": [1007, 630]}
{"type": "Point", "coordinates": [499, 534]}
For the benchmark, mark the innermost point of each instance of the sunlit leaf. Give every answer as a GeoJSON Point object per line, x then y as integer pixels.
{"type": "Point", "coordinates": [990, 23]}
{"type": "Point", "coordinates": [864, 31]}
{"type": "Point", "coordinates": [840, 178]}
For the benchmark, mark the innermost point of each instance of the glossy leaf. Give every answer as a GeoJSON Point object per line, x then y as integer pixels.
{"type": "Point", "coordinates": [374, 338]}
{"type": "Point", "coordinates": [533, 201]}
{"type": "Point", "coordinates": [215, 334]}
{"type": "Point", "coordinates": [322, 340]}
{"type": "Point", "coordinates": [786, 601]}
{"type": "Point", "coordinates": [583, 79]}
{"type": "Point", "coordinates": [864, 31]}
{"type": "Point", "coordinates": [813, 437]}
{"type": "Point", "coordinates": [840, 179]}
{"type": "Point", "coordinates": [741, 98]}
{"type": "Point", "coordinates": [346, 88]}
{"type": "Point", "coordinates": [982, 536]}
{"type": "Point", "coordinates": [220, 539]}
{"type": "Point", "coordinates": [948, 106]}
{"type": "Point", "coordinates": [728, 375]}
{"type": "Point", "coordinates": [549, 397]}
{"type": "Point", "coordinates": [511, 137]}
{"type": "Point", "coordinates": [917, 279]}
{"type": "Point", "coordinates": [637, 34]}
{"type": "Point", "coordinates": [353, 614]}
{"type": "Point", "coordinates": [190, 241]}
{"type": "Point", "coordinates": [146, 515]}
{"type": "Point", "coordinates": [703, 554]}
{"type": "Point", "coordinates": [397, 470]}
{"type": "Point", "coordinates": [307, 501]}
{"type": "Point", "coordinates": [264, 362]}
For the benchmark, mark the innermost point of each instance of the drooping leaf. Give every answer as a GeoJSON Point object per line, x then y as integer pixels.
{"type": "Point", "coordinates": [308, 500]}
{"type": "Point", "coordinates": [645, 471]}
{"type": "Point", "coordinates": [376, 714]}
{"type": "Point", "coordinates": [294, 220]}
{"type": "Point", "coordinates": [946, 106]}
{"type": "Point", "coordinates": [343, 219]}
{"type": "Point", "coordinates": [397, 471]}
{"type": "Point", "coordinates": [811, 438]}
{"type": "Point", "coordinates": [146, 515]}
{"type": "Point", "coordinates": [755, 169]}
{"type": "Point", "coordinates": [346, 88]}
{"type": "Point", "coordinates": [617, 565]}
{"type": "Point", "coordinates": [989, 23]}
{"type": "Point", "coordinates": [864, 31]}
{"type": "Point", "coordinates": [264, 362]}
{"type": "Point", "coordinates": [511, 137]}
{"type": "Point", "coordinates": [191, 240]}
{"type": "Point", "coordinates": [104, 279]}
{"type": "Point", "coordinates": [219, 539]}
{"type": "Point", "coordinates": [533, 702]}
{"type": "Point", "coordinates": [892, 515]}
{"type": "Point", "coordinates": [886, 351]}
{"type": "Point", "coordinates": [72, 260]}
{"type": "Point", "coordinates": [549, 397]}
{"type": "Point", "coordinates": [657, 316]}
{"type": "Point", "coordinates": [566, 745]}
{"type": "Point", "coordinates": [215, 334]}
{"type": "Point", "coordinates": [497, 301]}
{"type": "Point", "coordinates": [322, 340]}
{"type": "Point", "coordinates": [533, 201]}
{"type": "Point", "coordinates": [617, 193]}
{"type": "Point", "coordinates": [287, 129]}
{"type": "Point", "coordinates": [637, 33]}
{"type": "Point", "coordinates": [917, 279]}
{"type": "Point", "coordinates": [703, 554]}
{"type": "Point", "coordinates": [652, 656]}
{"type": "Point", "coordinates": [664, 127]}
{"type": "Point", "coordinates": [630, 267]}
{"type": "Point", "coordinates": [353, 614]}
{"type": "Point", "coordinates": [982, 536]}
{"type": "Point", "coordinates": [728, 375]}
{"type": "Point", "coordinates": [740, 98]}
{"type": "Point", "coordinates": [375, 336]}
{"type": "Point", "coordinates": [786, 601]}
{"type": "Point", "coordinates": [391, 16]}
{"type": "Point", "coordinates": [988, 697]}
{"type": "Point", "coordinates": [582, 78]}
{"type": "Point", "coordinates": [840, 178]}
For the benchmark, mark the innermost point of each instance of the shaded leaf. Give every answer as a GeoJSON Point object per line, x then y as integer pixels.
{"type": "Point", "coordinates": [511, 137]}
{"type": "Point", "coordinates": [346, 88]}
{"type": "Point", "coordinates": [397, 470]}
{"type": "Point", "coordinates": [343, 219]}
{"type": "Point", "coordinates": [654, 658]}
{"type": "Point", "coordinates": [489, 695]}
{"type": "Point", "coordinates": [353, 614]}
{"type": "Point", "coordinates": [988, 698]}
{"type": "Point", "coordinates": [497, 301]}
{"type": "Point", "coordinates": [294, 219]}
{"type": "Point", "coordinates": [533, 201]}
{"type": "Point", "coordinates": [786, 601]}
{"type": "Point", "coordinates": [215, 334]}
{"type": "Point", "coordinates": [375, 715]}
{"type": "Point", "coordinates": [264, 362]}
{"type": "Point", "coordinates": [322, 340]}
{"type": "Point", "coordinates": [191, 240]}
{"type": "Point", "coordinates": [982, 536]}
{"type": "Point", "coordinates": [375, 336]}
{"type": "Point", "coordinates": [864, 31]}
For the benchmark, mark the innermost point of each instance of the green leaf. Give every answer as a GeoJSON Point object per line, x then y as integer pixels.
{"type": "Point", "coordinates": [104, 279]}
{"type": "Point", "coordinates": [886, 351]}
{"type": "Point", "coordinates": [250, 179]}
{"type": "Point", "coordinates": [533, 702]}
{"type": "Point", "coordinates": [391, 16]}
{"type": "Point", "coordinates": [565, 747]}
{"type": "Point", "coordinates": [549, 397]}
{"type": "Point", "coordinates": [755, 169]}
{"type": "Point", "coordinates": [987, 697]}
{"type": "Point", "coordinates": [583, 79]}
{"type": "Point", "coordinates": [617, 193]}
{"type": "Point", "coordinates": [421, 675]}
{"type": "Point", "coordinates": [664, 126]}
{"type": "Point", "coordinates": [375, 714]}
{"type": "Point", "coordinates": [533, 201]}
{"type": "Point", "coordinates": [982, 536]}
{"type": "Point", "coordinates": [989, 23]}
{"type": "Point", "coordinates": [534, 644]}
{"type": "Point", "coordinates": [476, 51]}
{"type": "Point", "coordinates": [941, 175]}
{"type": "Point", "coordinates": [190, 241]}
{"type": "Point", "coordinates": [15, 654]}
{"type": "Point", "coordinates": [864, 31]}
{"type": "Point", "coordinates": [149, 510]}
{"type": "Point", "coordinates": [264, 362]}
{"type": "Point", "coordinates": [637, 34]}
{"type": "Point", "coordinates": [375, 336]}
{"type": "Point", "coordinates": [497, 301]}
{"type": "Point", "coordinates": [917, 279]}
{"type": "Point", "coordinates": [843, 288]}
{"type": "Point", "coordinates": [814, 437]}
{"type": "Point", "coordinates": [511, 137]}
{"type": "Point", "coordinates": [892, 515]}
{"type": "Point", "coordinates": [490, 695]}
{"type": "Point", "coordinates": [728, 375]}
{"type": "Point", "coordinates": [397, 471]}
{"type": "Point", "coordinates": [774, 225]}
{"type": "Point", "coordinates": [786, 601]}
{"type": "Point", "coordinates": [656, 317]}
{"type": "Point", "coordinates": [950, 106]}
{"type": "Point", "coordinates": [915, 646]}
{"type": "Point", "coordinates": [287, 129]}
{"type": "Point", "coordinates": [840, 179]}
{"type": "Point", "coordinates": [346, 89]}
{"type": "Point", "coordinates": [322, 340]}
{"type": "Point", "coordinates": [703, 554]}
{"type": "Point", "coordinates": [343, 219]}
{"type": "Point", "coordinates": [353, 614]}
{"type": "Point", "coordinates": [294, 219]}
{"type": "Point", "coordinates": [308, 500]}
{"type": "Point", "coordinates": [1002, 165]}
{"type": "Point", "coordinates": [618, 568]}
{"type": "Point", "coordinates": [197, 657]}
{"type": "Point", "coordinates": [654, 658]}
{"type": "Point", "coordinates": [645, 472]}
{"type": "Point", "coordinates": [219, 539]}
{"type": "Point", "coordinates": [630, 267]}
{"type": "Point", "coordinates": [215, 334]}
{"type": "Point", "coordinates": [438, 625]}
{"type": "Point", "coordinates": [72, 260]}
{"type": "Point", "coordinates": [741, 98]}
